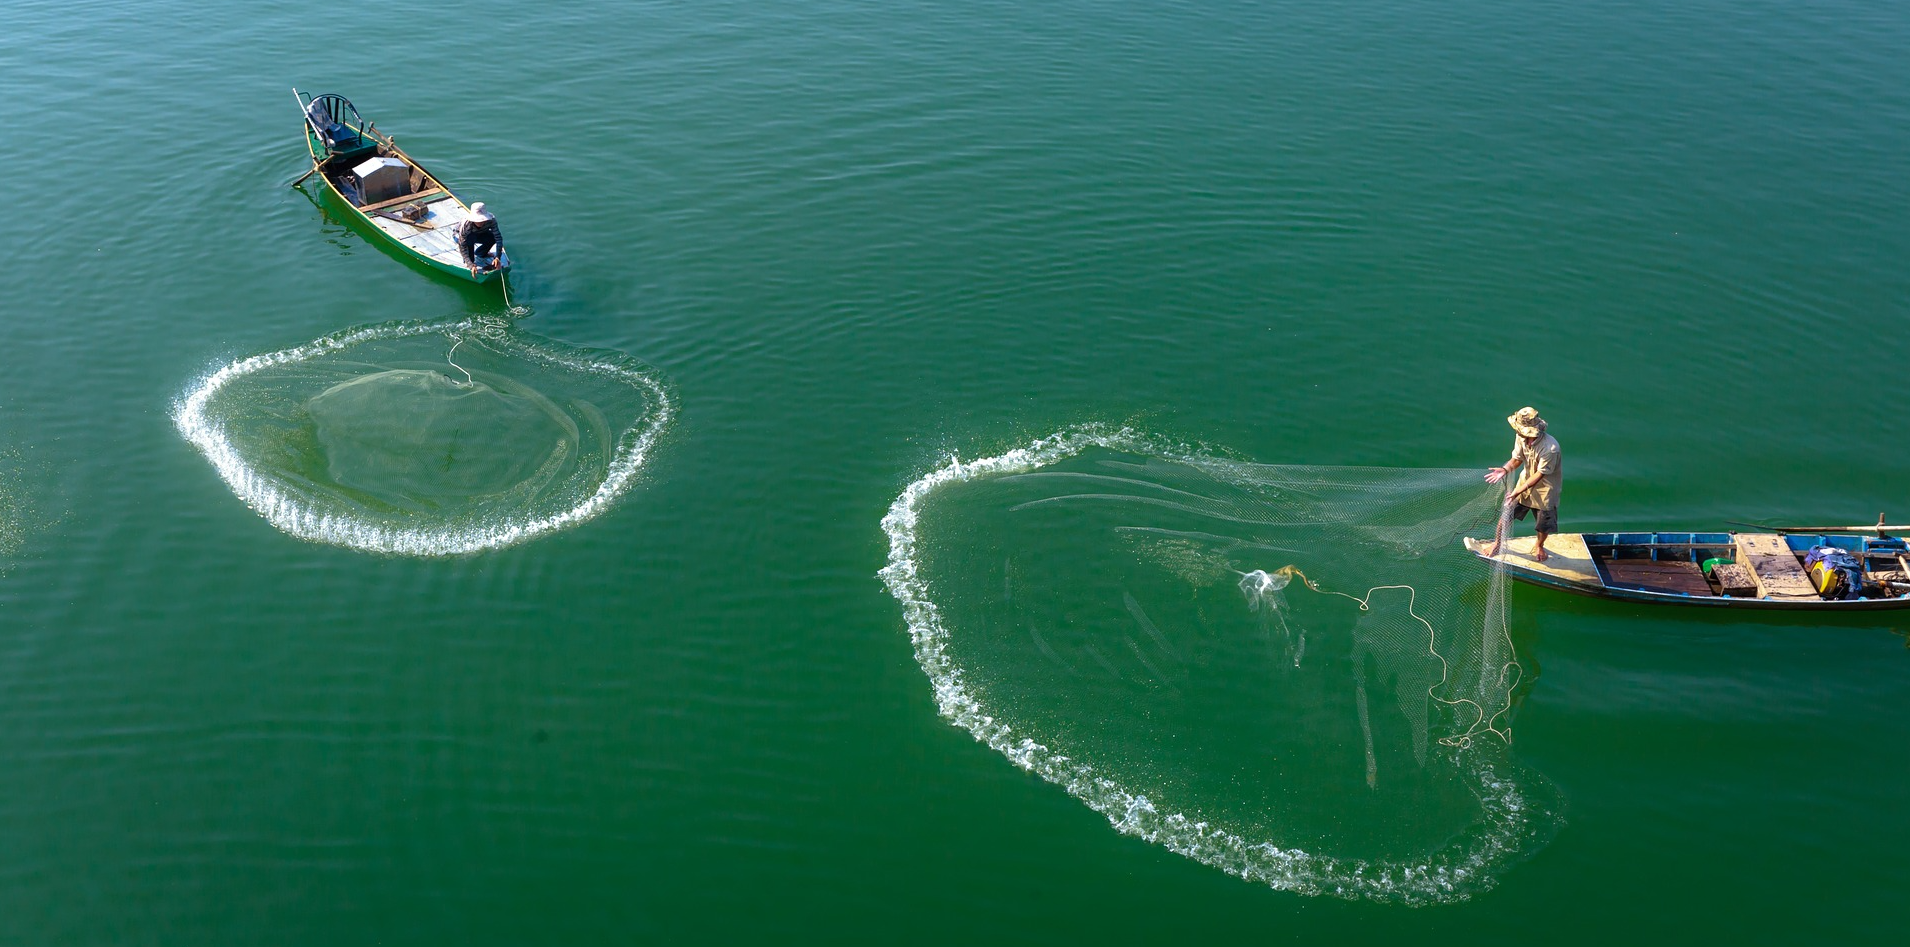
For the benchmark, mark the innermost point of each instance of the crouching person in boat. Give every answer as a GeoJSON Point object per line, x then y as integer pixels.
{"type": "Point", "coordinates": [479, 241]}
{"type": "Point", "coordinates": [1536, 491]}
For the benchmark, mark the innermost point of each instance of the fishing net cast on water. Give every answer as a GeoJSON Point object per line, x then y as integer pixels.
{"type": "Point", "coordinates": [12, 513]}
{"type": "Point", "coordinates": [1295, 674]}
{"type": "Point", "coordinates": [427, 438]}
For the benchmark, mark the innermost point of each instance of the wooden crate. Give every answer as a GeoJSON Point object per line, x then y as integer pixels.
{"type": "Point", "coordinates": [1734, 579]}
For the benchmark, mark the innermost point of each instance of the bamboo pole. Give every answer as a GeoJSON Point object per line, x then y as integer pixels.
{"type": "Point", "coordinates": [1878, 527]}
{"type": "Point", "coordinates": [307, 119]}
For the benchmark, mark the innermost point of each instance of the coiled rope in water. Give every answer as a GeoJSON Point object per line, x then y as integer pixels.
{"type": "Point", "coordinates": [518, 312]}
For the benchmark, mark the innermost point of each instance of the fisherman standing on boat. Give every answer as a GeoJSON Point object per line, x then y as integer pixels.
{"type": "Point", "coordinates": [479, 241]}
{"type": "Point", "coordinates": [1537, 490]}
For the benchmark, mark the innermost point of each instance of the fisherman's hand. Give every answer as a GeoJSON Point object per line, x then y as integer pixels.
{"type": "Point", "coordinates": [1495, 475]}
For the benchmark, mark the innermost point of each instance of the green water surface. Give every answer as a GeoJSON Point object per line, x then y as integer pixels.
{"type": "Point", "coordinates": [857, 238]}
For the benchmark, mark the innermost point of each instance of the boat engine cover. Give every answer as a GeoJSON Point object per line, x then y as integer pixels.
{"type": "Point", "coordinates": [383, 179]}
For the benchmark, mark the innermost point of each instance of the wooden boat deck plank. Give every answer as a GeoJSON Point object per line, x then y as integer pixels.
{"type": "Point", "coordinates": [1775, 566]}
{"type": "Point", "coordinates": [1566, 557]}
{"type": "Point", "coordinates": [1675, 577]}
{"type": "Point", "coordinates": [404, 199]}
{"type": "Point", "coordinates": [436, 241]}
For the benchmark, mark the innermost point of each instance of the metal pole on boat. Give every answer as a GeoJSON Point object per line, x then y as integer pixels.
{"type": "Point", "coordinates": [1880, 528]}
{"type": "Point", "coordinates": [308, 120]}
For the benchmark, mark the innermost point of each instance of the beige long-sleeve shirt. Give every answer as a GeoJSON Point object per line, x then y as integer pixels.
{"type": "Point", "coordinates": [1542, 456]}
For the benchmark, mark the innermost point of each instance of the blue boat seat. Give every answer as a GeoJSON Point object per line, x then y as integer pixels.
{"type": "Point", "coordinates": [339, 137]}
{"type": "Point", "coordinates": [336, 121]}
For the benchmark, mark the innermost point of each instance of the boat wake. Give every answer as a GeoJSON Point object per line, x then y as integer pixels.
{"type": "Point", "coordinates": [1292, 674]}
{"type": "Point", "coordinates": [427, 438]}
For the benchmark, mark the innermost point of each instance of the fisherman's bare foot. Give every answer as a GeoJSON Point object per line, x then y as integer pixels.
{"type": "Point", "coordinates": [1539, 555]}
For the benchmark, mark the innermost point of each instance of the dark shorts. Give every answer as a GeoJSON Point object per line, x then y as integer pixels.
{"type": "Point", "coordinates": [1548, 520]}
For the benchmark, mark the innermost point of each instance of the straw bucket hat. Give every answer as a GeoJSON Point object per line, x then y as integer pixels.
{"type": "Point", "coordinates": [478, 213]}
{"type": "Point", "coordinates": [1527, 422]}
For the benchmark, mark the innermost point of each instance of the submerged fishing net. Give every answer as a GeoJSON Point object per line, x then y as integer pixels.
{"type": "Point", "coordinates": [1295, 674]}
{"type": "Point", "coordinates": [427, 438]}
{"type": "Point", "coordinates": [418, 439]}
{"type": "Point", "coordinates": [12, 516]}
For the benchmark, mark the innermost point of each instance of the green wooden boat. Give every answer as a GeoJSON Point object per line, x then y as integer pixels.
{"type": "Point", "coordinates": [388, 191]}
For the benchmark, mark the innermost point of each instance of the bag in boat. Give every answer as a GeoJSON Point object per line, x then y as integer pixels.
{"type": "Point", "coordinates": [1837, 574]}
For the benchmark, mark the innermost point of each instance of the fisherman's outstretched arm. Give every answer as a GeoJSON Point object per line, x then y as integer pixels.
{"type": "Point", "coordinates": [1497, 474]}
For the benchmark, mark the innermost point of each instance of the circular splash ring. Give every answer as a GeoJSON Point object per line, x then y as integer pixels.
{"type": "Point", "coordinates": [1510, 825]}
{"type": "Point", "coordinates": [285, 509]}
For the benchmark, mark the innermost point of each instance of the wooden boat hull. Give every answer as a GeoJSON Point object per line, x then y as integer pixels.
{"type": "Point", "coordinates": [1665, 568]}
{"type": "Point", "coordinates": [429, 242]}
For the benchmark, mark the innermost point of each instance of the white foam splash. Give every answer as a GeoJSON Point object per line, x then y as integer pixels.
{"type": "Point", "coordinates": [1464, 867]}
{"type": "Point", "coordinates": [289, 513]}
{"type": "Point", "coordinates": [1260, 587]}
